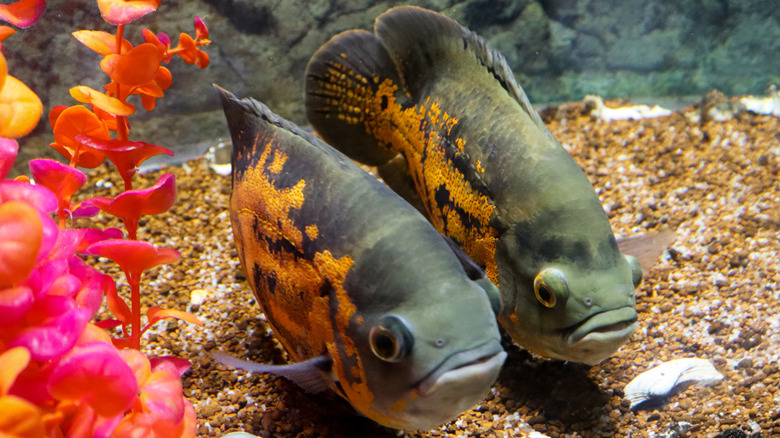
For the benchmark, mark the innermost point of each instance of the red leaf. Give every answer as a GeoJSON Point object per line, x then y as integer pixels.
{"type": "Point", "coordinates": [8, 151]}
{"type": "Point", "coordinates": [60, 179]}
{"type": "Point", "coordinates": [133, 256]}
{"type": "Point", "coordinates": [108, 323]}
{"type": "Point", "coordinates": [201, 31]}
{"type": "Point", "coordinates": [23, 13]}
{"type": "Point", "coordinates": [117, 305]}
{"type": "Point", "coordinates": [126, 155]}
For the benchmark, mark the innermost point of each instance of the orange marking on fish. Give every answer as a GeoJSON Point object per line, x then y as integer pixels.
{"type": "Point", "coordinates": [312, 231]}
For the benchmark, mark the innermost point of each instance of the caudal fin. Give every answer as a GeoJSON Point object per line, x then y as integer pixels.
{"type": "Point", "coordinates": [349, 82]}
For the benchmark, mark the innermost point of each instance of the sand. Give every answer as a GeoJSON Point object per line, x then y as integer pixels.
{"type": "Point", "coordinates": [714, 295]}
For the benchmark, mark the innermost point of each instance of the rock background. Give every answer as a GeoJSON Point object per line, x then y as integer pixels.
{"type": "Point", "coordinates": [560, 50]}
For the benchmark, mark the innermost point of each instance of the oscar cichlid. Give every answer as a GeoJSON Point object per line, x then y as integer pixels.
{"type": "Point", "coordinates": [441, 114]}
{"type": "Point", "coordinates": [365, 295]}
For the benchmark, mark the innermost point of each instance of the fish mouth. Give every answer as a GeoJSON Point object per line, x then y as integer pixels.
{"type": "Point", "coordinates": [611, 326]}
{"type": "Point", "coordinates": [480, 363]}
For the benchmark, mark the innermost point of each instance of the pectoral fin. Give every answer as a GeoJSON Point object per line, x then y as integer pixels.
{"type": "Point", "coordinates": [313, 375]}
{"type": "Point", "coordinates": [646, 247]}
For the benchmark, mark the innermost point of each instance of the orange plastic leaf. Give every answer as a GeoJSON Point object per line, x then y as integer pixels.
{"type": "Point", "coordinates": [188, 49]}
{"type": "Point", "coordinates": [20, 419]}
{"type": "Point", "coordinates": [149, 102]}
{"type": "Point", "coordinates": [150, 89]}
{"type": "Point", "coordinates": [23, 13]}
{"type": "Point", "coordinates": [202, 60]}
{"type": "Point", "coordinates": [119, 12]}
{"type": "Point", "coordinates": [164, 78]}
{"type": "Point", "coordinates": [3, 69]}
{"type": "Point", "coordinates": [136, 67]}
{"type": "Point", "coordinates": [54, 113]}
{"type": "Point", "coordinates": [156, 313]}
{"type": "Point", "coordinates": [101, 42]}
{"type": "Point", "coordinates": [20, 109]}
{"type": "Point", "coordinates": [109, 104]}
{"type": "Point", "coordinates": [12, 362]}
{"type": "Point", "coordinates": [151, 38]}
{"type": "Point", "coordinates": [72, 122]}
{"type": "Point", "coordinates": [21, 235]}
{"type": "Point", "coordinates": [5, 32]}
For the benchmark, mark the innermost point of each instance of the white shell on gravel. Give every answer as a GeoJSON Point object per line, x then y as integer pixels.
{"type": "Point", "coordinates": [239, 435]}
{"type": "Point", "coordinates": [662, 381]}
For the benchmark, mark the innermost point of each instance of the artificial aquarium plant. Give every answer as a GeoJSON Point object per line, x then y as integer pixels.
{"type": "Point", "coordinates": [60, 373]}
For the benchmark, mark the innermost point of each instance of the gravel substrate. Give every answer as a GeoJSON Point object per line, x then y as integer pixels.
{"type": "Point", "coordinates": [713, 296]}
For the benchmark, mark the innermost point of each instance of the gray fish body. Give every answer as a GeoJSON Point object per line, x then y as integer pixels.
{"type": "Point", "coordinates": [487, 172]}
{"type": "Point", "coordinates": [355, 280]}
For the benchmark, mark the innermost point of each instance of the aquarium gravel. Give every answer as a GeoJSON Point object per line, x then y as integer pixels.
{"type": "Point", "coordinates": [713, 295]}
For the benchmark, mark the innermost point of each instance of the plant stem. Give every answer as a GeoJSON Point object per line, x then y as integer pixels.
{"type": "Point", "coordinates": [135, 308]}
{"type": "Point", "coordinates": [120, 31]}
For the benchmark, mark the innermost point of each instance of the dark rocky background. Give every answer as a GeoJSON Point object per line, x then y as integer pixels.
{"type": "Point", "coordinates": [560, 50]}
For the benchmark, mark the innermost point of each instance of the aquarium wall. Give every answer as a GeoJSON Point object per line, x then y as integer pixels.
{"type": "Point", "coordinates": [560, 50]}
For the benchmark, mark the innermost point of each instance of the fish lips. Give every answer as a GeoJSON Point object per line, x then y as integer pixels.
{"type": "Point", "coordinates": [604, 331]}
{"type": "Point", "coordinates": [477, 365]}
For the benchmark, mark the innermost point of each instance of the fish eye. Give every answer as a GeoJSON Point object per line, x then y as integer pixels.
{"type": "Point", "coordinates": [636, 269]}
{"type": "Point", "coordinates": [391, 339]}
{"type": "Point", "coordinates": [551, 287]}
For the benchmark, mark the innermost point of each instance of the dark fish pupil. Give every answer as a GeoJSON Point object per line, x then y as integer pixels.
{"type": "Point", "coordinates": [385, 346]}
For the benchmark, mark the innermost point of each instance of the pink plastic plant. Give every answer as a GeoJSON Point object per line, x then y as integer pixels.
{"type": "Point", "coordinates": [60, 374]}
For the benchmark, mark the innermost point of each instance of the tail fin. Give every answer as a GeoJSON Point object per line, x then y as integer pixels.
{"type": "Point", "coordinates": [343, 83]}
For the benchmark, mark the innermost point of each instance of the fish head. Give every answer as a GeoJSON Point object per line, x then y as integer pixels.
{"type": "Point", "coordinates": [423, 364]}
{"type": "Point", "coordinates": [563, 308]}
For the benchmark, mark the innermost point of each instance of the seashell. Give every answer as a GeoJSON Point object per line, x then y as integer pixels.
{"type": "Point", "coordinates": [666, 379]}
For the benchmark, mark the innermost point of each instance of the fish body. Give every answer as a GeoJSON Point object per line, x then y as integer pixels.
{"type": "Point", "coordinates": [364, 294]}
{"type": "Point", "coordinates": [425, 91]}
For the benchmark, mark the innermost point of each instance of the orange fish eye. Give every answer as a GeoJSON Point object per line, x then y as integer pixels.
{"type": "Point", "coordinates": [391, 339]}
{"type": "Point", "coordinates": [551, 287]}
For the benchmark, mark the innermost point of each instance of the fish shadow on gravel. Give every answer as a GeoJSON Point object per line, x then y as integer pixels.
{"type": "Point", "coordinates": [554, 389]}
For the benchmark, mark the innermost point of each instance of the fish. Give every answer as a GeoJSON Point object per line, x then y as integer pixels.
{"type": "Point", "coordinates": [441, 116]}
{"type": "Point", "coordinates": [366, 297]}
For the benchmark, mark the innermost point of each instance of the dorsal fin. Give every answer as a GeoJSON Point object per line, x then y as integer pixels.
{"type": "Point", "coordinates": [248, 118]}
{"type": "Point", "coordinates": [424, 44]}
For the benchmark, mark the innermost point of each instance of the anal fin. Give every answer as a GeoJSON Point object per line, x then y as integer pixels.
{"type": "Point", "coordinates": [312, 375]}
